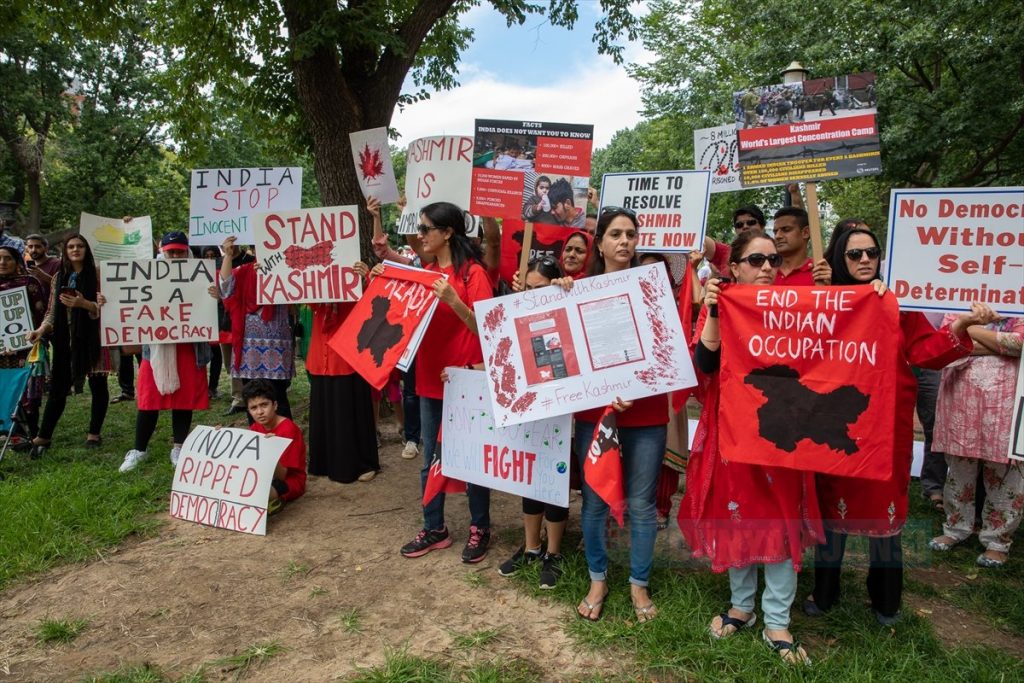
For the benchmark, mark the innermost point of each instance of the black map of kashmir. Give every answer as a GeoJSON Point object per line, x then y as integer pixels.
{"type": "Point", "coordinates": [794, 412]}
{"type": "Point", "coordinates": [377, 334]}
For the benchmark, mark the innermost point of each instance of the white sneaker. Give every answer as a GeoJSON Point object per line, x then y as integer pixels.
{"type": "Point", "coordinates": [411, 450]}
{"type": "Point", "coordinates": [175, 454]}
{"type": "Point", "coordinates": [132, 460]}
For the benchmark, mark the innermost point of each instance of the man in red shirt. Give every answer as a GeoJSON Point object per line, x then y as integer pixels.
{"type": "Point", "coordinates": [792, 233]}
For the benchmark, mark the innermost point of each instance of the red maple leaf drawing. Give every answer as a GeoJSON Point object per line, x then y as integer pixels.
{"type": "Point", "coordinates": [370, 163]}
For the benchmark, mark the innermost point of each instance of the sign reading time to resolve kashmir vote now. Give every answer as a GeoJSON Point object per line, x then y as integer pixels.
{"type": "Point", "coordinates": [222, 199]}
{"type": "Point", "coordinates": [552, 352]}
{"type": "Point", "coordinates": [306, 256]}
{"type": "Point", "coordinates": [950, 247]}
{"type": "Point", "coordinates": [529, 459]}
{"type": "Point", "coordinates": [671, 206]}
{"type": "Point", "coordinates": [158, 302]}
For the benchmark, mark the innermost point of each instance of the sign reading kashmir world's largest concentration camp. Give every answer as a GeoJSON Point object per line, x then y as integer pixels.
{"type": "Point", "coordinates": [717, 150]}
{"type": "Point", "coordinates": [372, 158]}
{"type": "Point", "coordinates": [158, 302]}
{"type": "Point", "coordinates": [554, 352]}
{"type": "Point", "coordinates": [15, 320]}
{"type": "Point", "coordinates": [223, 478]}
{"type": "Point", "coordinates": [529, 459]}
{"type": "Point", "coordinates": [950, 247]}
{"type": "Point", "coordinates": [818, 129]}
{"type": "Point", "coordinates": [808, 375]}
{"type": "Point", "coordinates": [307, 256]}
{"type": "Point", "coordinates": [222, 200]}
{"type": "Point", "coordinates": [437, 169]}
{"type": "Point", "coordinates": [115, 238]}
{"type": "Point", "coordinates": [671, 206]}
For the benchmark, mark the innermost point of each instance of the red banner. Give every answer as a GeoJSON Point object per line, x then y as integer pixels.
{"type": "Point", "coordinates": [602, 468]}
{"type": "Point", "coordinates": [808, 378]}
{"type": "Point", "coordinates": [377, 331]}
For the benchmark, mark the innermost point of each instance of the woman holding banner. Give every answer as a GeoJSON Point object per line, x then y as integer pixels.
{"type": "Point", "coordinates": [740, 515]}
{"type": "Point", "coordinates": [73, 320]}
{"type": "Point", "coordinates": [878, 509]}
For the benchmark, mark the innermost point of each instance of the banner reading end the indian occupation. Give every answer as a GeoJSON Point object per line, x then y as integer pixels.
{"type": "Point", "coordinates": [808, 375]}
{"type": "Point", "coordinates": [950, 247]}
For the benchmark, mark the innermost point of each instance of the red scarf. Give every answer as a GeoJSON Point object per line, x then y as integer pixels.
{"type": "Point", "coordinates": [240, 304]}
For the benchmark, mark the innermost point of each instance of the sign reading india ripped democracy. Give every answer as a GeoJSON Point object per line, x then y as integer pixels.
{"type": "Point", "coordinates": [949, 247]}
{"type": "Point", "coordinates": [808, 376]}
{"type": "Point", "coordinates": [223, 478]}
{"type": "Point", "coordinates": [158, 302]}
{"type": "Point", "coordinates": [437, 169]}
{"type": "Point", "coordinates": [15, 320]}
{"type": "Point", "coordinates": [222, 200]}
{"type": "Point", "coordinates": [554, 352]}
{"type": "Point", "coordinates": [529, 459]}
{"type": "Point", "coordinates": [671, 206]}
{"type": "Point", "coordinates": [512, 158]}
{"type": "Point", "coordinates": [818, 129]}
{"type": "Point", "coordinates": [306, 256]}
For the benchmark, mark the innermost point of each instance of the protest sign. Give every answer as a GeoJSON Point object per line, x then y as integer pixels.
{"type": "Point", "coordinates": [15, 321]}
{"type": "Point", "coordinates": [306, 256]}
{"type": "Point", "coordinates": [529, 459]}
{"type": "Point", "coordinates": [809, 378]}
{"type": "Point", "coordinates": [158, 302]}
{"type": "Point", "coordinates": [671, 206]}
{"type": "Point", "coordinates": [949, 247]}
{"type": "Point", "coordinates": [113, 238]}
{"type": "Point", "coordinates": [223, 478]}
{"type": "Point", "coordinates": [512, 158]}
{"type": "Point", "coordinates": [372, 158]}
{"type": "Point", "coordinates": [548, 242]}
{"type": "Point", "coordinates": [554, 352]}
{"type": "Point", "coordinates": [717, 150]}
{"type": "Point", "coordinates": [819, 129]}
{"type": "Point", "coordinates": [437, 169]}
{"type": "Point", "coordinates": [223, 199]}
{"type": "Point", "coordinates": [1015, 451]}
{"type": "Point", "coordinates": [393, 312]}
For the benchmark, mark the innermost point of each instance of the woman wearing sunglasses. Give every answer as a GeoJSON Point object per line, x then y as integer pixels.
{"type": "Point", "coordinates": [878, 509]}
{"type": "Point", "coordinates": [738, 515]}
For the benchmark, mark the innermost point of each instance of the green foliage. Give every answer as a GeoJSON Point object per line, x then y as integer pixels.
{"type": "Point", "coordinates": [60, 630]}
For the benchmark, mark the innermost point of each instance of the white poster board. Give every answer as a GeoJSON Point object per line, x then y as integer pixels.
{"type": "Point", "coordinates": [949, 247]}
{"type": "Point", "coordinates": [671, 206]}
{"type": "Point", "coordinates": [306, 256]}
{"type": "Point", "coordinates": [529, 459]}
{"type": "Point", "coordinates": [551, 352]}
{"type": "Point", "coordinates": [158, 301]}
{"type": "Point", "coordinates": [222, 200]}
{"type": "Point", "coordinates": [223, 478]}
{"type": "Point", "coordinates": [113, 238]}
{"type": "Point", "coordinates": [438, 169]}
{"type": "Point", "coordinates": [717, 150]}
{"type": "Point", "coordinates": [372, 158]}
{"type": "Point", "coordinates": [1016, 447]}
{"type": "Point", "coordinates": [15, 320]}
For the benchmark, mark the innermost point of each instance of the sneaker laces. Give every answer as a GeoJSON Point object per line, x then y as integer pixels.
{"type": "Point", "coordinates": [476, 535]}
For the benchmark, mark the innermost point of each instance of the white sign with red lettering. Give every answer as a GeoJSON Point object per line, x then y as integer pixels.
{"type": "Point", "coordinates": [949, 247]}
{"type": "Point", "coordinates": [529, 459]}
{"type": "Point", "coordinates": [671, 207]}
{"type": "Point", "coordinates": [307, 256]}
{"type": "Point", "coordinates": [223, 478]}
{"type": "Point", "coordinates": [438, 169]}
{"type": "Point", "coordinates": [222, 200]}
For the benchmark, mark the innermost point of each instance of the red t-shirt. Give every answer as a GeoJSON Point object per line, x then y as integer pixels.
{"type": "Point", "coordinates": [798, 276]}
{"type": "Point", "coordinates": [293, 458]}
{"type": "Point", "coordinates": [447, 341]}
{"type": "Point", "coordinates": [645, 412]}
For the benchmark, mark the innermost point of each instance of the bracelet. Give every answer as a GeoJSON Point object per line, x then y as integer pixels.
{"type": "Point", "coordinates": [468, 316]}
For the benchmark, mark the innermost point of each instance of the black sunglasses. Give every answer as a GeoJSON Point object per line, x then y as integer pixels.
{"type": "Point", "coordinates": [617, 210]}
{"type": "Point", "coordinates": [757, 260]}
{"type": "Point", "coordinates": [746, 224]}
{"type": "Point", "coordinates": [424, 229]}
{"type": "Point", "coordinates": [856, 254]}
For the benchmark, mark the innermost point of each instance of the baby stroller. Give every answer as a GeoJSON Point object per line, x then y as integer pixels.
{"type": "Point", "coordinates": [14, 383]}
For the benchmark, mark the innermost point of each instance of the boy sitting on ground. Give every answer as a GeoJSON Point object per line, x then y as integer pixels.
{"type": "Point", "coordinates": [289, 481]}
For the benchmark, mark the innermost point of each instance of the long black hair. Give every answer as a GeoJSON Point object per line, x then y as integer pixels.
{"type": "Point", "coordinates": [547, 266]}
{"type": "Point", "coordinates": [840, 273]}
{"type": "Point", "coordinates": [75, 330]}
{"type": "Point", "coordinates": [596, 265]}
{"type": "Point", "coordinates": [841, 227]}
{"type": "Point", "coordinates": [464, 250]}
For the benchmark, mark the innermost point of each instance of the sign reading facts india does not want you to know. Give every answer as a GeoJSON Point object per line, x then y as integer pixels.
{"type": "Point", "coordinates": [158, 302]}
{"type": "Point", "coordinates": [950, 247]}
{"type": "Point", "coordinates": [222, 199]}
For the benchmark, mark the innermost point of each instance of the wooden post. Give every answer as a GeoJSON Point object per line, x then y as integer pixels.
{"type": "Point", "coordinates": [814, 219]}
{"type": "Point", "coordinates": [524, 257]}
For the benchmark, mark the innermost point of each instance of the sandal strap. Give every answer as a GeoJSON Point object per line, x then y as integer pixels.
{"type": "Point", "coordinates": [732, 621]}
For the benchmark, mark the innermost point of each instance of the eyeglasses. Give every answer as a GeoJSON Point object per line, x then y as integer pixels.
{"type": "Point", "coordinates": [757, 260]}
{"type": "Point", "coordinates": [856, 254]}
{"type": "Point", "coordinates": [424, 229]}
{"type": "Point", "coordinates": [749, 223]}
{"type": "Point", "coordinates": [617, 210]}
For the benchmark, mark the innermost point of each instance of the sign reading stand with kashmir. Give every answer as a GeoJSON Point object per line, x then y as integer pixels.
{"type": "Point", "coordinates": [529, 459]}
{"type": "Point", "coordinates": [552, 352]}
{"type": "Point", "coordinates": [223, 478]}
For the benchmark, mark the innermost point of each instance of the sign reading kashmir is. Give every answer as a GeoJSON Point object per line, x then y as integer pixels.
{"type": "Point", "coordinates": [808, 378]}
{"type": "Point", "coordinates": [307, 256]}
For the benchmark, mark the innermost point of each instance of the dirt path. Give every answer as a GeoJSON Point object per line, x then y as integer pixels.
{"type": "Point", "coordinates": [193, 595]}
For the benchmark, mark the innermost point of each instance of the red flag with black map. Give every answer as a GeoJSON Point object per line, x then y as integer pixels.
{"type": "Point", "coordinates": [437, 482]}
{"type": "Point", "coordinates": [380, 327]}
{"type": "Point", "coordinates": [808, 378]}
{"type": "Point", "coordinates": [602, 468]}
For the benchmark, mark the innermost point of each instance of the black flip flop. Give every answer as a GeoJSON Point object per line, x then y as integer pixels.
{"type": "Point", "coordinates": [736, 623]}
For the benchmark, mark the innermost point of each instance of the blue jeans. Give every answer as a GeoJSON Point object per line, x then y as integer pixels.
{"type": "Point", "coordinates": [431, 412]}
{"type": "Point", "coordinates": [778, 595]}
{"type": "Point", "coordinates": [411, 405]}
{"type": "Point", "coordinates": [643, 449]}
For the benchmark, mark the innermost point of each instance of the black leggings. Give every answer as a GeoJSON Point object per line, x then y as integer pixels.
{"type": "Point", "coordinates": [145, 425]}
{"type": "Point", "coordinates": [885, 572]}
{"type": "Point", "coordinates": [552, 513]}
{"type": "Point", "coordinates": [58, 400]}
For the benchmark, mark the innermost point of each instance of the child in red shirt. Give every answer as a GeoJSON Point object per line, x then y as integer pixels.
{"type": "Point", "coordinates": [289, 481]}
